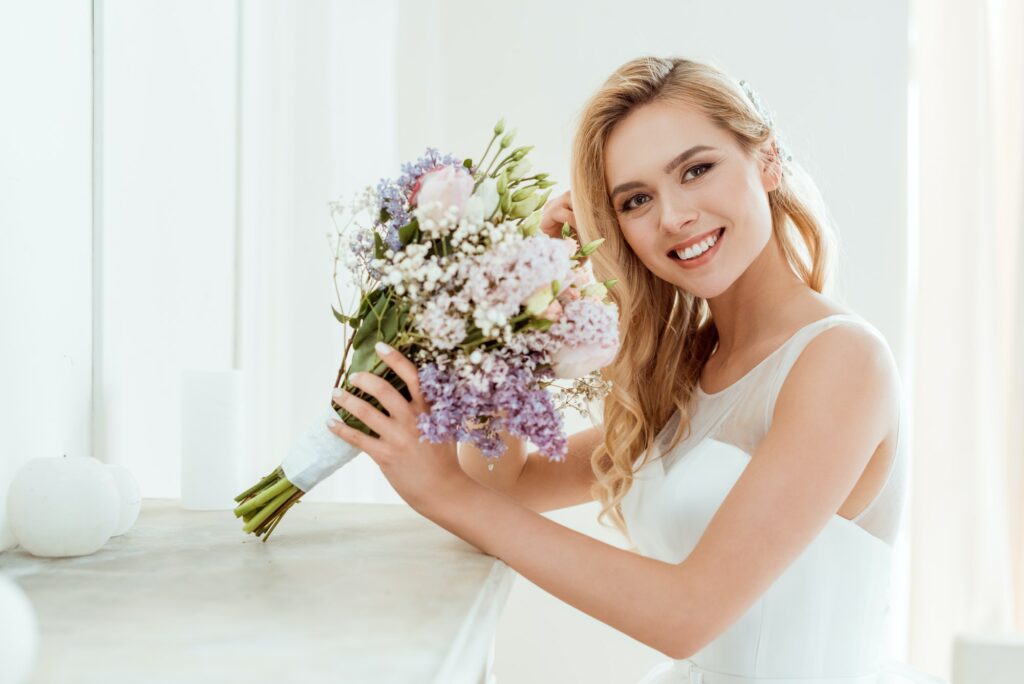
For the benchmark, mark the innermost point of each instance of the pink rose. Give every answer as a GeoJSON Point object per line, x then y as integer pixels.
{"type": "Point", "coordinates": [575, 362]}
{"type": "Point", "coordinates": [553, 312]}
{"type": "Point", "coordinates": [419, 183]}
{"type": "Point", "coordinates": [569, 294]}
{"type": "Point", "coordinates": [447, 185]}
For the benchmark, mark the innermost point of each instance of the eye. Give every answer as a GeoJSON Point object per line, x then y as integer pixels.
{"type": "Point", "coordinates": [628, 204]}
{"type": "Point", "coordinates": [706, 167]}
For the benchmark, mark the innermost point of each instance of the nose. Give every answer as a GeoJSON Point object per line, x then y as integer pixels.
{"type": "Point", "coordinates": [677, 215]}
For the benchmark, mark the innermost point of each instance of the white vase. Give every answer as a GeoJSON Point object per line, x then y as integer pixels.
{"type": "Point", "coordinates": [317, 453]}
{"type": "Point", "coordinates": [211, 438]}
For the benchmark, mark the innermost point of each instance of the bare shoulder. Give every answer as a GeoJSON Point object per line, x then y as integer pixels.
{"type": "Point", "coordinates": [843, 363]}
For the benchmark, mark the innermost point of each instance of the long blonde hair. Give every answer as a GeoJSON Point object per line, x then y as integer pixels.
{"type": "Point", "coordinates": [668, 334]}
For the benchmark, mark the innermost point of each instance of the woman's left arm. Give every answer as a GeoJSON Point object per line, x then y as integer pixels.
{"type": "Point", "coordinates": [673, 608]}
{"type": "Point", "coordinates": [636, 595]}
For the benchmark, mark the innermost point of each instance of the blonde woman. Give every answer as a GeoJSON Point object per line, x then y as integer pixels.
{"type": "Point", "coordinates": [751, 446]}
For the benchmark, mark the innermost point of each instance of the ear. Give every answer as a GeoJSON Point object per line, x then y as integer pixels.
{"type": "Point", "coordinates": [771, 168]}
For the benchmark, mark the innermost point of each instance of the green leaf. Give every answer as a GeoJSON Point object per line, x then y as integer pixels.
{"type": "Point", "coordinates": [342, 318]}
{"type": "Point", "coordinates": [378, 245]}
{"type": "Point", "coordinates": [389, 326]}
{"type": "Point", "coordinates": [363, 359]}
{"type": "Point", "coordinates": [384, 216]}
{"type": "Point", "coordinates": [407, 232]}
{"type": "Point", "coordinates": [371, 323]}
{"type": "Point", "coordinates": [540, 323]}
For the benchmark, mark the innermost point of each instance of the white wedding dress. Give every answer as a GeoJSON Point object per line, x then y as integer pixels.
{"type": "Point", "coordinates": [822, 621]}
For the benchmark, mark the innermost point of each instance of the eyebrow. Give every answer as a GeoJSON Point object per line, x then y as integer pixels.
{"type": "Point", "coordinates": [679, 159]}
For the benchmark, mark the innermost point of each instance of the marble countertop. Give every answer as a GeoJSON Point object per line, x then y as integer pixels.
{"type": "Point", "coordinates": [340, 593]}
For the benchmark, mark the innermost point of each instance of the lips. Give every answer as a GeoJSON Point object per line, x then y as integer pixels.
{"type": "Point", "coordinates": [693, 241]}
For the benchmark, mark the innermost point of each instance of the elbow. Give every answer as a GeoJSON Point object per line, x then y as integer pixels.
{"type": "Point", "coordinates": [675, 642]}
{"type": "Point", "coordinates": [683, 639]}
{"type": "Point", "coordinates": [677, 650]}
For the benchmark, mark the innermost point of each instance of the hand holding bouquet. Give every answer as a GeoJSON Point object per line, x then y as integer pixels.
{"type": "Point", "coordinates": [485, 310]}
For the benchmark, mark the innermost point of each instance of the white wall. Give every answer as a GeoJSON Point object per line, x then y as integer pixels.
{"type": "Point", "coordinates": [168, 80]}
{"type": "Point", "coordinates": [45, 234]}
{"type": "Point", "coordinates": [836, 76]}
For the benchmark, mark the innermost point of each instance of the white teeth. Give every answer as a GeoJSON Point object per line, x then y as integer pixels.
{"type": "Point", "coordinates": [698, 249]}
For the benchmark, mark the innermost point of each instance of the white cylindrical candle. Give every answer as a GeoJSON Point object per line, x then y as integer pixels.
{"type": "Point", "coordinates": [211, 439]}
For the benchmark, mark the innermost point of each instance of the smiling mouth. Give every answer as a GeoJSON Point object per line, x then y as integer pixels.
{"type": "Point", "coordinates": [718, 236]}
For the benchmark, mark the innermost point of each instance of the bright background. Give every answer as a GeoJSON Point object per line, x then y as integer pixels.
{"type": "Point", "coordinates": [166, 168]}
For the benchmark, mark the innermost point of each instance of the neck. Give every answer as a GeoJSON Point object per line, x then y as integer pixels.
{"type": "Point", "coordinates": [753, 307]}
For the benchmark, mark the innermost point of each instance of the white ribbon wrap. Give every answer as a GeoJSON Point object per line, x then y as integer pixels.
{"type": "Point", "coordinates": [317, 453]}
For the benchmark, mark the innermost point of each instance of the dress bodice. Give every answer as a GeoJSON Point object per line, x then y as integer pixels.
{"type": "Point", "coordinates": [822, 620]}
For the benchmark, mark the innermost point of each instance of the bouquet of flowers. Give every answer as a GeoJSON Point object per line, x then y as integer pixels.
{"type": "Point", "coordinates": [452, 270]}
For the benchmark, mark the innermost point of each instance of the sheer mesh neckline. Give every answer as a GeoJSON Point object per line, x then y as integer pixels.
{"type": "Point", "coordinates": [749, 373]}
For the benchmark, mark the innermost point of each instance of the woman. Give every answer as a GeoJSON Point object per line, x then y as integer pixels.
{"type": "Point", "coordinates": [750, 446]}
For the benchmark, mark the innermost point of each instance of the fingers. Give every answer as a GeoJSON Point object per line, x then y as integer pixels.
{"type": "Point", "coordinates": [364, 411]}
{"type": "Point", "coordinates": [359, 440]}
{"type": "Point", "coordinates": [389, 397]}
{"type": "Point", "coordinates": [556, 213]}
{"type": "Point", "coordinates": [406, 370]}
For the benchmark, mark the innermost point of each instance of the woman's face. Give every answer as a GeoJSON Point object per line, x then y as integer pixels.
{"type": "Point", "coordinates": [675, 179]}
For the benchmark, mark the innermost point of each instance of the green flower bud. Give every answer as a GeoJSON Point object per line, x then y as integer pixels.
{"type": "Point", "coordinates": [541, 176]}
{"type": "Point", "coordinates": [545, 184]}
{"type": "Point", "coordinates": [566, 230]}
{"type": "Point", "coordinates": [522, 193]}
{"type": "Point", "coordinates": [506, 204]}
{"type": "Point", "coordinates": [519, 169]}
{"type": "Point", "coordinates": [524, 208]}
{"type": "Point", "coordinates": [502, 184]}
{"type": "Point", "coordinates": [544, 198]}
{"type": "Point", "coordinates": [591, 247]}
{"type": "Point", "coordinates": [539, 301]}
{"type": "Point", "coordinates": [507, 140]}
{"type": "Point", "coordinates": [531, 224]}
{"type": "Point", "coordinates": [555, 285]}
{"type": "Point", "coordinates": [594, 290]}
{"type": "Point", "coordinates": [499, 127]}
{"type": "Point", "coordinates": [611, 282]}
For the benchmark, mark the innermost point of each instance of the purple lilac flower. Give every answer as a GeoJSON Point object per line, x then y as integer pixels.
{"type": "Point", "coordinates": [508, 392]}
{"type": "Point", "coordinates": [361, 245]}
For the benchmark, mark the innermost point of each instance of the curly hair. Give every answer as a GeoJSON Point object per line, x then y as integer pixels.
{"type": "Point", "coordinates": [668, 334]}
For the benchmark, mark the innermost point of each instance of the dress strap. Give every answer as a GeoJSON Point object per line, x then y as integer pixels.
{"type": "Point", "coordinates": [790, 351]}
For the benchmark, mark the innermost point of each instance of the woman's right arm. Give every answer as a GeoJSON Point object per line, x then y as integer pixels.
{"type": "Point", "coordinates": [531, 479]}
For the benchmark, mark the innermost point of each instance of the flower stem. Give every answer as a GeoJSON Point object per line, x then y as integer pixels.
{"type": "Point", "coordinates": [286, 492]}
{"type": "Point", "coordinates": [263, 497]}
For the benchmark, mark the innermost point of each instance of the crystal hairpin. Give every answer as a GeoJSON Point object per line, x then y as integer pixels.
{"type": "Point", "coordinates": [767, 117]}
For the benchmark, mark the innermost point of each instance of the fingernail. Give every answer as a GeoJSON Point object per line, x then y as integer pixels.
{"type": "Point", "coordinates": [382, 348]}
{"type": "Point", "coordinates": [331, 422]}
{"type": "Point", "coordinates": [336, 393]}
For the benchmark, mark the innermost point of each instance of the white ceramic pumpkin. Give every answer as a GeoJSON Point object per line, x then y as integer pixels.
{"type": "Point", "coordinates": [131, 497]}
{"type": "Point", "coordinates": [66, 506]}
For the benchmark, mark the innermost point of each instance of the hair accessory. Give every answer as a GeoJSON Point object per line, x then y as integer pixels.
{"type": "Point", "coordinates": [768, 118]}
